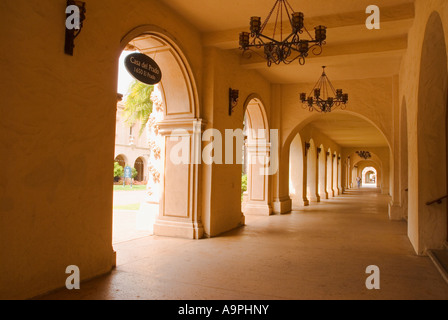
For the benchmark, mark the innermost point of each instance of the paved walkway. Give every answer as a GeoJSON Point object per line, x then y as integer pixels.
{"type": "Point", "coordinates": [321, 252]}
{"type": "Point", "coordinates": [125, 221]}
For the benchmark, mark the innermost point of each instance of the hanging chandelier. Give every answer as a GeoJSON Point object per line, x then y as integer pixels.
{"type": "Point", "coordinates": [319, 99]}
{"type": "Point", "coordinates": [280, 48]}
{"type": "Point", "coordinates": [364, 154]}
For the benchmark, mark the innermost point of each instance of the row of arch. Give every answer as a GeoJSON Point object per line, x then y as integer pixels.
{"type": "Point", "coordinates": [139, 164]}
{"type": "Point", "coordinates": [314, 172]}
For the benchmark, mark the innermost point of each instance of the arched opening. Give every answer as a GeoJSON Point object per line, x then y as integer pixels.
{"type": "Point", "coordinates": [427, 216]}
{"type": "Point", "coordinates": [257, 151]}
{"type": "Point", "coordinates": [139, 166]}
{"type": "Point", "coordinates": [121, 159]}
{"type": "Point", "coordinates": [369, 177]}
{"type": "Point", "coordinates": [169, 203]}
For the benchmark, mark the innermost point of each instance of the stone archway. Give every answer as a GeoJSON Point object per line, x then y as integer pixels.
{"type": "Point", "coordinates": [428, 222]}
{"type": "Point", "coordinates": [257, 149]}
{"type": "Point", "coordinates": [180, 123]}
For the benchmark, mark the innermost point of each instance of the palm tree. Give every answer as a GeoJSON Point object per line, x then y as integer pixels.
{"type": "Point", "coordinates": [138, 105]}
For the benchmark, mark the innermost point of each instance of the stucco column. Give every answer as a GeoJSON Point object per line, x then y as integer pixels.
{"type": "Point", "coordinates": [334, 184]}
{"type": "Point", "coordinates": [305, 175]}
{"type": "Point", "coordinates": [282, 203]}
{"type": "Point", "coordinates": [323, 193]}
{"type": "Point", "coordinates": [395, 207]}
{"type": "Point", "coordinates": [316, 186]}
{"type": "Point", "coordinates": [330, 175]}
{"type": "Point", "coordinates": [339, 182]}
{"type": "Point", "coordinates": [314, 192]}
{"type": "Point", "coordinates": [178, 210]}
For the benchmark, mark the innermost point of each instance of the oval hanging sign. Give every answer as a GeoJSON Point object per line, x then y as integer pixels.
{"type": "Point", "coordinates": [143, 68]}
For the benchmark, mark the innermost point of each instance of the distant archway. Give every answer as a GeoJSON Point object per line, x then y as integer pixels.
{"type": "Point", "coordinates": [139, 165]}
{"type": "Point", "coordinates": [121, 159]}
{"type": "Point", "coordinates": [369, 177]}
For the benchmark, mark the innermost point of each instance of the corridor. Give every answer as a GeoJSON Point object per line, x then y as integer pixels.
{"type": "Point", "coordinates": [320, 252]}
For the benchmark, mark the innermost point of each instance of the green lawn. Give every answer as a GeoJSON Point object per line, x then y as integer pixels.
{"type": "Point", "coordinates": [134, 206]}
{"type": "Point", "coordinates": [128, 188]}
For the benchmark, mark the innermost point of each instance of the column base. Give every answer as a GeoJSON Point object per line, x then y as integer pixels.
{"type": "Point", "coordinates": [178, 229]}
{"type": "Point", "coordinates": [251, 208]}
{"type": "Point", "coordinates": [314, 199]}
{"type": "Point", "coordinates": [395, 212]}
{"type": "Point", "coordinates": [283, 205]}
{"type": "Point", "coordinates": [323, 195]}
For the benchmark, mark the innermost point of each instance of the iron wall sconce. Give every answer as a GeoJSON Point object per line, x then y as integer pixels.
{"type": "Point", "coordinates": [307, 148]}
{"type": "Point", "coordinates": [72, 33]}
{"type": "Point", "coordinates": [233, 99]}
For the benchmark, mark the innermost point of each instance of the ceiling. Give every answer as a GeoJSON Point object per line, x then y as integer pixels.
{"type": "Point", "coordinates": [349, 131]}
{"type": "Point", "coordinates": [352, 51]}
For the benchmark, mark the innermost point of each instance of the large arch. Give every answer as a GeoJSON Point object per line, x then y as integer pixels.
{"type": "Point", "coordinates": [257, 147]}
{"type": "Point", "coordinates": [179, 214]}
{"type": "Point", "coordinates": [428, 223]}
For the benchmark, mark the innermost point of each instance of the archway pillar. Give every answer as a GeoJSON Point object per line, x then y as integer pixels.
{"type": "Point", "coordinates": [339, 181]}
{"type": "Point", "coordinates": [257, 203]}
{"type": "Point", "coordinates": [305, 200]}
{"type": "Point", "coordinates": [330, 175]}
{"type": "Point", "coordinates": [314, 192]}
{"type": "Point", "coordinates": [179, 215]}
{"type": "Point", "coordinates": [334, 183]}
{"type": "Point", "coordinates": [323, 193]}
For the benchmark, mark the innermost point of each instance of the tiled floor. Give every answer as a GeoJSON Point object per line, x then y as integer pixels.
{"type": "Point", "coordinates": [321, 252]}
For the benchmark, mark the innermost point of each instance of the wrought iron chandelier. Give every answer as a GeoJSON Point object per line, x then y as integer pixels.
{"type": "Point", "coordinates": [280, 48]}
{"type": "Point", "coordinates": [319, 99]}
{"type": "Point", "coordinates": [364, 154]}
